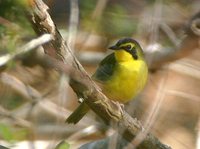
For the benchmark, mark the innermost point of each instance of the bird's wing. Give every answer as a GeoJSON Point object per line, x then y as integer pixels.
{"type": "Point", "coordinates": [105, 69]}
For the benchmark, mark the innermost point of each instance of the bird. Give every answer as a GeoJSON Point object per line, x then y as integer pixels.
{"type": "Point", "coordinates": [121, 75]}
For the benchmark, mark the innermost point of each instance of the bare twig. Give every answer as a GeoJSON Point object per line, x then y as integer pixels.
{"type": "Point", "coordinates": [84, 86]}
{"type": "Point", "coordinates": [5, 22]}
{"type": "Point", "coordinates": [96, 16]}
{"type": "Point", "coordinates": [26, 48]}
{"type": "Point", "coordinates": [100, 6]}
{"type": "Point", "coordinates": [45, 130]}
{"type": "Point", "coordinates": [188, 44]}
{"type": "Point", "coordinates": [73, 22]}
{"type": "Point", "coordinates": [88, 57]}
{"type": "Point", "coordinates": [10, 115]}
{"type": "Point", "coordinates": [169, 33]}
{"type": "Point", "coordinates": [31, 94]}
{"type": "Point", "coordinates": [82, 133]}
{"type": "Point", "coordinates": [187, 67]}
{"type": "Point", "coordinates": [183, 95]}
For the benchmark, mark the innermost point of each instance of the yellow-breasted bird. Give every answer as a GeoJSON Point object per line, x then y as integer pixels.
{"type": "Point", "coordinates": [121, 75]}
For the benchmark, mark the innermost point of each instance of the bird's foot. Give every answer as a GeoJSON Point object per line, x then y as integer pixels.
{"type": "Point", "coordinates": [121, 106]}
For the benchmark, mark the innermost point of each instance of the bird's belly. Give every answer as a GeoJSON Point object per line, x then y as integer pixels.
{"type": "Point", "coordinates": [126, 83]}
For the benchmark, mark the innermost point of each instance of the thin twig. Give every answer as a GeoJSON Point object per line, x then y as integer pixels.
{"type": "Point", "coordinates": [73, 23]}
{"type": "Point", "coordinates": [186, 46]}
{"type": "Point", "coordinates": [32, 94]}
{"type": "Point", "coordinates": [183, 95]}
{"type": "Point", "coordinates": [169, 33]}
{"type": "Point", "coordinates": [83, 133]}
{"type": "Point", "coordinates": [96, 16]}
{"type": "Point", "coordinates": [186, 67]}
{"type": "Point", "coordinates": [11, 116]}
{"type": "Point", "coordinates": [26, 48]}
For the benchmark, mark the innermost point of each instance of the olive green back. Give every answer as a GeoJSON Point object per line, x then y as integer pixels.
{"type": "Point", "coordinates": [106, 69]}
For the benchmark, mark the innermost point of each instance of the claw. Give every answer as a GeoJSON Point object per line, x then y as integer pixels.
{"type": "Point", "coordinates": [121, 106]}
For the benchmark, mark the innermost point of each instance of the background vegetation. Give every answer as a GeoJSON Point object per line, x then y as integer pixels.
{"type": "Point", "coordinates": [35, 100]}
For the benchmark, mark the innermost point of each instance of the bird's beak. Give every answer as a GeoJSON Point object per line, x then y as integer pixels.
{"type": "Point", "coordinates": [114, 47]}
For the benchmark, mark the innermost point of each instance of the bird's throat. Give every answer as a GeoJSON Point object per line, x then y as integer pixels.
{"type": "Point", "coordinates": [123, 56]}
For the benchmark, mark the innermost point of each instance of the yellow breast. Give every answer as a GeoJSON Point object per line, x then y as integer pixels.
{"type": "Point", "coordinates": [127, 81]}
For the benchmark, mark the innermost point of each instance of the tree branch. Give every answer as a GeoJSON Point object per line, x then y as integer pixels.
{"type": "Point", "coordinates": [82, 83]}
{"type": "Point", "coordinates": [25, 48]}
{"type": "Point", "coordinates": [187, 45]}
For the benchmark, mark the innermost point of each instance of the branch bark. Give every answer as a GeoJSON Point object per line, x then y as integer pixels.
{"type": "Point", "coordinates": [82, 84]}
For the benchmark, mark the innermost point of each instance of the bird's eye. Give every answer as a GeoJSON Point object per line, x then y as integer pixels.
{"type": "Point", "coordinates": [128, 47]}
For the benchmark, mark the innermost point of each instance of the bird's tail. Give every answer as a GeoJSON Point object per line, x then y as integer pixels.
{"type": "Point", "coordinates": [78, 114]}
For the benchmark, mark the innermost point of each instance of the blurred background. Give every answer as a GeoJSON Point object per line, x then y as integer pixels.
{"type": "Point", "coordinates": [35, 100]}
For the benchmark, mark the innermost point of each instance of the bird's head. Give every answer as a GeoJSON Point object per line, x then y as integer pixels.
{"type": "Point", "coordinates": [127, 49]}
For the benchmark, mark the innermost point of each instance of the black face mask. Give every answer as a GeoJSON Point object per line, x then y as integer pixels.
{"type": "Point", "coordinates": [132, 51]}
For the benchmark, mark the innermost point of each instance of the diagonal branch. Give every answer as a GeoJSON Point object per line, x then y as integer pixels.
{"type": "Point", "coordinates": [25, 48]}
{"type": "Point", "coordinates": [82, 83]}
{"type": "Point", "coordinates": [33, 95]}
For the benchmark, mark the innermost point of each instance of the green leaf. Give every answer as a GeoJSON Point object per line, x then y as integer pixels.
{"type": "Point", "coordinates": [62, 145]}
{"type": "Point", "coordinates": [20, 134]}
{"type": "Point", "coordinates": [5, 132]}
